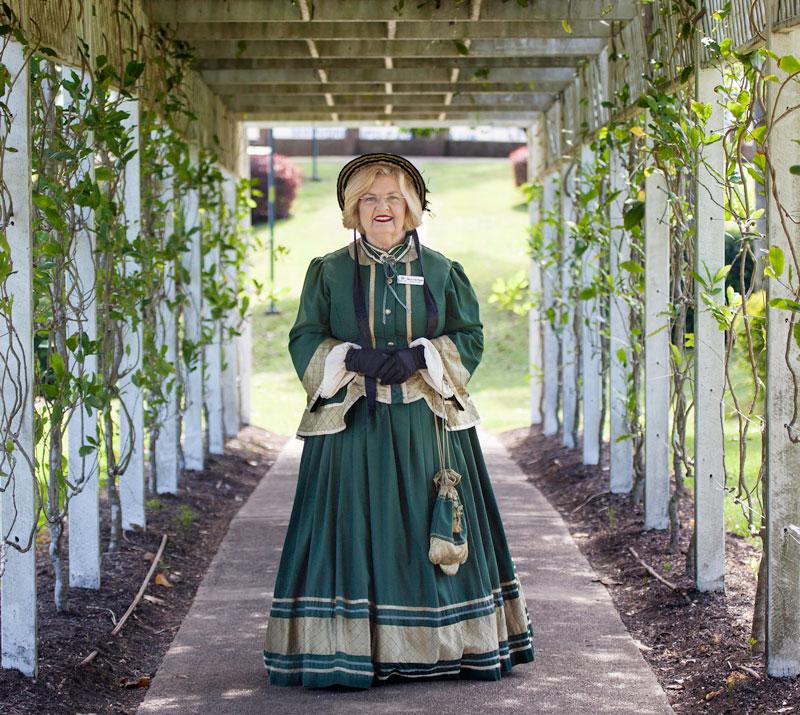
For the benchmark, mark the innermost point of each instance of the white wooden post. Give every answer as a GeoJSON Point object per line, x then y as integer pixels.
{"type": "Point", "coordinates": [193, 450]}
{"type": "Point", "coordinates": [168, 442]}
{"type": "Point", "coordinates": [709, 355]}
{"type": "Point", "coordinates": [569, 362]}
{"type": "Point", "coordinates": [657, 353]}
{"type": "Point", "coordinates": [536, 157]}
{"type": "Point", "coordinates": [212, 364]}
{"type": "Point", "coordinates": [621, 449]}
{"type": "Point", "coordinates": [18, 630]}
{"type": "Point", "coordinates": [84, 504]}
{"type": "Point", "coordinates": [230, 369]}
{"type": "Point", "coordinates": [591, 363]}
{"type": "Point", "coordinates": [245, 340]}
{"type": "Point", "coordinates": [550, 339]}
{"type": "Point", "coordinates": [131, 427]}
{"type": "Point", "coordinates": [782, 490]}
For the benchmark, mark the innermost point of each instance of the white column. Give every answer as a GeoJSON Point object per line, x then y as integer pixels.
{"type": "Point", "coordinates": [212, 367]}
{"type": "Point", "coordinates": [569, 370]}
{"type": "Point", "coordinates": [782, 489]}
{"type": "Point", "coordinates": [193, 449]}
{"type": "Point", "coordinates": [591, 364]}
{"type": "Point", "coordinates": [621, 450]}
{"type": "Point", "coordinates": [245, 341]}
{"type": "Point", "coordinates": [18, 630]}
{"type": "Point", "coordinates": [131, 423]}
{"type": "Point", "coordinates": [657, 353]}
{"type": "Point", "coordinates": [168, 442]}
{"type": "Point", "coordinates": [230, 367]}
{"type": "Point", "coordinates": [550, 202]}
{"type": "Point", "coordinates": [535, 357]}
{"type": "Point", "coordinates": [709, 355]}
{"type": "Point", "coordinates": [84, 505]}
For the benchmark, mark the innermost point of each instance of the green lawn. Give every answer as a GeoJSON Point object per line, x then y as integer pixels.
{"type": "Point", "coordinates": [478, 219]}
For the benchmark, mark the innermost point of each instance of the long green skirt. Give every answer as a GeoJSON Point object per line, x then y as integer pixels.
{"type": "Point", "coordinates": [356, 598]}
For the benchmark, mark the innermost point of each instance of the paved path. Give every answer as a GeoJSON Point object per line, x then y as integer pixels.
{"type": "Point", "coordinates": [586, 662]}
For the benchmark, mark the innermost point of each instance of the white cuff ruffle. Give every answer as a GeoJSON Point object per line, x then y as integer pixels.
{"type": "Point", "coordinates": [335, 375]}
{"type": "Point", "coordinates": [433, 374]}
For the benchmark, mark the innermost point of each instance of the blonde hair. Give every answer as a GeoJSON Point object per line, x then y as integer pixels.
{"type": "Point", "coordinates": [359, 184]}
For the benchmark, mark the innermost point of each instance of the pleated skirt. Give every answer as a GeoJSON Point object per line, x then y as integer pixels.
{"type": "Point", "coordinates": [356, 599]}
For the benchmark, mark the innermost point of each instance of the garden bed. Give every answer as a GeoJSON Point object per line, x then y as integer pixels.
{"type": "Point", "coordinates": [697, 644]}
{"type": "Point", "coordinates": [116, 680]}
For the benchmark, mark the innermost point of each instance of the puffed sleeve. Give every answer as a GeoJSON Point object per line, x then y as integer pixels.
{"type": "Point", "coordinates": [462, 321]}
{"type": "Point", "coordinates": [318, 358]}
{"type": "Point", "coordinates": [452, 356]}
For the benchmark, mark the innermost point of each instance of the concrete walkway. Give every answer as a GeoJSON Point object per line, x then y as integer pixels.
{"type": "Point", "coordinates": [586, 662]}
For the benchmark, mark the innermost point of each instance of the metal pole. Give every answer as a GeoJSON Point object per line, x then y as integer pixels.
{"type": "Point", "coordinates": [272, 310]}
{"type": "Point", "coordinates": [314, 155]}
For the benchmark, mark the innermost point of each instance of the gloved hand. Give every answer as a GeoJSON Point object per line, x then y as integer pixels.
{"type": "Point", "coordinates": [366, 361]}
{"type": "Point", "coordinates": [401, 365]}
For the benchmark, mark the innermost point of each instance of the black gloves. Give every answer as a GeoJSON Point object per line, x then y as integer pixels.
{"type": "Point", "coordinates": [389, 368]}
{"type": "Point", "coordinates": [401, 365]}
{"type": "Point", "coordinates": [367, 361]}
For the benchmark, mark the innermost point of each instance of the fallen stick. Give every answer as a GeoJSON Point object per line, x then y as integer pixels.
{"type": "Point", "coordinates": [580, 506]}
{"type": "Point", "coordinates": [652, 571]}
{"type": "Point", "coordinates": [89, 658]}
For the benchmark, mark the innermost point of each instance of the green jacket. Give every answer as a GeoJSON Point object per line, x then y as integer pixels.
{"type": "Point", "coordinates": [326, 319]}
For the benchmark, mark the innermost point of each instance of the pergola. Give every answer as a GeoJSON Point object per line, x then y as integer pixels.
{"type": "Point", "coordinates": [552, 68]}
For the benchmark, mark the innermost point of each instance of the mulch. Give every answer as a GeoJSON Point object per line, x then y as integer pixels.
{"type": "Point", "coordinates": [116, 681]}
{"type": "Point", "coordinates": [697, 644]}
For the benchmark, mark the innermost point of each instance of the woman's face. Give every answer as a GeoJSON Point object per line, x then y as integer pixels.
{"type": "Point", "coordinates": [382, 212]}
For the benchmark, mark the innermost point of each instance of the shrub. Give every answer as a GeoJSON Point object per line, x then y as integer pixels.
{"type": "Point", "coordinates": [519, 164]}
{"type": "Point", "coordinates": [287, 181]}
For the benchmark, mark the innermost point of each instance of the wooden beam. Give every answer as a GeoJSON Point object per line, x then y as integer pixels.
{"type": "Point", "coordinates": [506, 47]}
{"type": "Point", "coordinates": [709, 353]}
{"type": "Point", "coordinates": [378, 75]}
{"type": "Point", "coordinates": [83, 470]}
{"type": "Point", "coordinates": [591, 367]}
{"type": "Point", "coordinates": [358, 11]}
{"type": "Point", "coordinates": [18, 499]}
{"type": "Point", "coordinates": [569, 351]}
{"type": "Point", "coordinates": [620, 444]}
{"type": "Point", "coordinates": [537, 156]}
{"type": "Point", "coordinates": [131, 396]}
{"type": "Point", "coordinates": [365, 30]}
{"type": "Point", "coordinates": [379, 108]}
{"type": "Point", "coordinates": [781, 487]}
{"type": "Point", "coordinates": [410, 119]}
{"type": "Point", "coordinates": [657, 352]}
{"type": "Point", "coordinates": [376, 89]}
{"type": "Point", "coordinates": [193, 450]}
{"type": "Point", "coordinates": [366, 63]}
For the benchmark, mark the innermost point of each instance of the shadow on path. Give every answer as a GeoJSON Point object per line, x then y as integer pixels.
{"type": "Point", "coordinates": [586, 662]}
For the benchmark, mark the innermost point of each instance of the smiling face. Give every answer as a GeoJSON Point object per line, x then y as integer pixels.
{"type": "Point", "coordinates": [382, 212]}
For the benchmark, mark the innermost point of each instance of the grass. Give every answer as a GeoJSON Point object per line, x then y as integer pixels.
{"type": "Point", "coordinates": [478, 219]}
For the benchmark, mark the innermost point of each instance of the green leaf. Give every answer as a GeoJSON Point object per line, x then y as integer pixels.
{"type": "Point", "coordinates": [631, 266]}
{"type": "Point", "coordinates": [587, 293]}
{"type": "Point", "coordinates": [776, 260]}
{"type": "Point", "coordinates": [789, 64]}
{"type": "Point", "coordinates": [785, 304]}
{"type": "Point", "coordinates": [795, 169]}
{"type": "Point", "coordinates": [461, 47]}
{"type": "Point", "coordinates": [633, 214]}
{"type": "Point", "coordinates": [567, 27]}
{"type": "Point", "coordinates": [57, 363]}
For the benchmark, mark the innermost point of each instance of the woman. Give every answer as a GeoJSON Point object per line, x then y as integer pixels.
{"type": "Point", "coordinates": [386, 572]}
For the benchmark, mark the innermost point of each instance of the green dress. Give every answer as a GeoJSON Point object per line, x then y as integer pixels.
{"type": "Point", "coordinates": [356, 598]}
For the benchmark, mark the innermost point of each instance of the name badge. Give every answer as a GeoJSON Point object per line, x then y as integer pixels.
{"type": "Point", "coordinates": [411, 280]}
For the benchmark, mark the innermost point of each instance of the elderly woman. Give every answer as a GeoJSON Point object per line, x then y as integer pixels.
{"type": "Point", "coordinates": [395, 561]}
